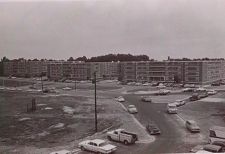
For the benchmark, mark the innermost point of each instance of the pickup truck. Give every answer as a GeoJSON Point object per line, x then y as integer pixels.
{"type": "Point", "coordinates": [122, 136]}
{"type": "Point", "coordinates": [97, 145]}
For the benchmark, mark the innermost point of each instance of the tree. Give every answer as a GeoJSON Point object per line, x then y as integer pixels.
{"type": "Point", "coordinates": [84, 58]}
{"type": "Point", "coordinates": [4, 59]}
{"type": "Point", "coordinates": [70, 59]}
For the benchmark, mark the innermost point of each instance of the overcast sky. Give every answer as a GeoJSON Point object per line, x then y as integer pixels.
{"type": "Point", "coordinates": [157, 28]}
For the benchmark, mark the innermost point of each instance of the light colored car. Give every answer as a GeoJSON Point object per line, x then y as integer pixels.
{"type": "Point", "coordinates": [187, 90]}
{"type": "Point", "coordinates": [146, 84]}
{"type": "Point", "coordinates": [171, 108]}
{"type": "Point", "coordinates": [97, 145]}
{"type": "Point", "coordinates": [146, 99]}
{"type": "Point", "coordinates": [200, 89]}
{"type": "Point", "coordinates": [163, 92]}
{"type": "Point", "coordinates": [161, 86]}
{"type": "Point", "coordinates": [132, 109]}
{"type": "Point", "coordinates": [67, 88]}
{"type": "Point", "coordinates": [122, 136]}
{"type": "Point", "coordinates": [138, 84]}
{"type": "Point", "coordinates": [211, 92]}
{"type": "Point", "coordinates": [192, 126]}
{"type": "Point", "coordinates": [120, 99]}
{"type": "Point", "coordinates": [179, 103]}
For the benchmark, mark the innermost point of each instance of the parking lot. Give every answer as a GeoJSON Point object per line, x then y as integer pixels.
{"type": "Point", "coordinates": [66, 117]}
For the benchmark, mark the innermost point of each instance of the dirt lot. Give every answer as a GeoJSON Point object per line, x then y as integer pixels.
{"type": "Point", "coordinates": [57, 121]}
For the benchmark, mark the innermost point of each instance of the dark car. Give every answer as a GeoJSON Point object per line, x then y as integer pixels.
{"type": "Point", "coordinates": [153, 129]}
{"type": "Point", "coordinates": [194, 97]}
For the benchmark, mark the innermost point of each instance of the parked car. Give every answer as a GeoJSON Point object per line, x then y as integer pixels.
{"type": "Point", "coordinates": [146, 84]}
{"type": "Point", "coordinates": [97, 145]}
{"type": "Point", "coordinates": [188, 90]}
{"type": "Point", "coordinates": [194, 97]}
{"type": "Point", "coordinates": [179, 103]}
{"type": "Point", "coordinates": [211, 92]}
{"type": "Point", "coordinates": [163, 92]}
{"type": "Point", "coordinates": [203, 95]}
{"type": "Point", "coordinates": [212, 148]}
{"type": "Point", "coordinates": [146, 99]}
{"type": "Point", "coordinates": [67, 88]}
{"type": "Point", "coordinates": [153, 129]}
{"type": "Point", "coordinates": [192, 126]}
{"type": "Point", "coordinates": [138, 84]}
{"type": "Point", "coordinates": [171, 108]}
{"type": "Point", "coordinates": [122, 136]}
{"type": "Point", "coordinates": [200, 89]}
{"type": "Point", "coordinates": [216, 84]}
{"type": "Point", "coordinates": [189, 86]}
{"type": "Point", "coordinates": [155, 83]}
{"type": "Point", "coordinates": [161, 86]}
{"type": "Point", "coordinates": [120, 99]}
{"type": "Point", "coordinates": [132, 109]}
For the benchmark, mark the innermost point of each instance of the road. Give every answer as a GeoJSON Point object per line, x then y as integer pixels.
{"type": "Point", "coordinates": [170, 137]}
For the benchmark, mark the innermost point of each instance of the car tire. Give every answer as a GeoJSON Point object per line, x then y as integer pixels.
{"type": "Point", "coordinates": [125, 142]}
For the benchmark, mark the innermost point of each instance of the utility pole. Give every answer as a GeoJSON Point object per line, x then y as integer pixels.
{"type": "Point", "coordinates": [42, 83]}
{"type": "Point", "coordinates": [75, 86]}
{"type": "Point", "coordinates": [96, 122]}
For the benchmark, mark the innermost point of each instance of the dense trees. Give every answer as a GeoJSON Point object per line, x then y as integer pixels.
{"type": "Point", "coordinates": [114, 57]}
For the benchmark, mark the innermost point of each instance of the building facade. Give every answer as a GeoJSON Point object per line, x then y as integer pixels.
{"type": "Point", "coordinates": [198, 72]}
{"type": "Point", "coordinates": [25, 68]}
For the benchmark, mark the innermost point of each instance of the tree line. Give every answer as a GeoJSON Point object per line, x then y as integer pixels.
{"type": "Point", "coordinates": [112, 57]}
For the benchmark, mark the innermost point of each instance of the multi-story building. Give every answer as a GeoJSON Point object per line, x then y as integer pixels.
{"type": "Point", "coordinates": [55, 70]}
{"type": "Point", "coordinates": [128, 71]}
{"type": "Point", "coordinates": [199, 72]}
{"type": "Point", "coordinates": [25, 68]}
{"type": "Point", "coordinates": [79, 71]}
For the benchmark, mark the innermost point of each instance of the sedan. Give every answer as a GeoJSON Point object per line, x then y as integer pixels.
{"type": "Point", "coordinates": [120, 99]}
{"type": "Point", "coordinates": [192, 126]}
{"type": "Point", "coordinates": [179, 103]}
{"type": "Point", "coordinates": [97, 145]}
{"type": "Point", "coordinates": [146, 99]}
{"type": "Point", "coordinates": [211, 92]}
{"type": "Point", "coordinates": [132, 109]}
{"type": "Point", "coordinates": [153, 129]}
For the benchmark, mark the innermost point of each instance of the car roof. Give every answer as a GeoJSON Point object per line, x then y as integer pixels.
{"type": "Point", "coordinates": [131, 106]}
{"type": "Point", "coordinates": [191, 121]}
{"type": "Point", "coordinates": [171, 104]}
{"type": "Point", "coordinates": [120, 129]}
{"type": "Point", "coordinates": [98, 141]}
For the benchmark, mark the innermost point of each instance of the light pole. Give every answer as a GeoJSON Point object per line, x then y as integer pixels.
{"type": "Point", "coordinates": [75, 85]}
{"type": "Point", "coordinates": [96, 120]}
{"type": "Point", "coordinates": [42, 87]}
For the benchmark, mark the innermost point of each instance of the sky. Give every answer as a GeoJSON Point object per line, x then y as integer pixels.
{"type": "Point", "coordinates": [157, 28]}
